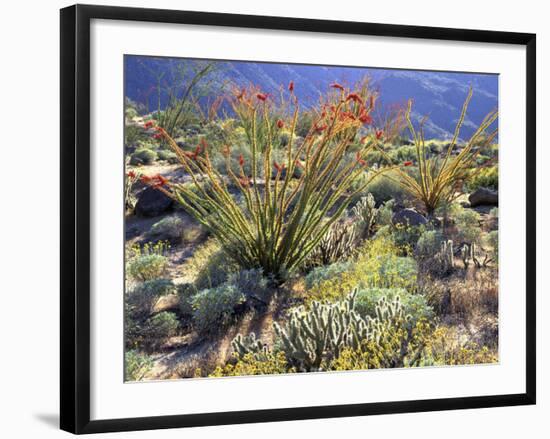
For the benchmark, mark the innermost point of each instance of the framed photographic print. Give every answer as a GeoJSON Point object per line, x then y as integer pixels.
{"type": "Point", "coordinates": [267, 218]}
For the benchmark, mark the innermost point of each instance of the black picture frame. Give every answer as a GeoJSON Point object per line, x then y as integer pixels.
{"type": "Point", "coordinates": [75, 217]}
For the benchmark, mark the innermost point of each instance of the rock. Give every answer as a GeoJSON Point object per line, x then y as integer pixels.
{"type": "Point", "coordinates": [169, 302]}
{"type": "Point", "coordinates": [483, 197]}
{"type": "Point", "coordinates": [408, 217]}
{"type": "Point", "coordinates": [152, 202]}
{"type": "Point", "coordinates": [465, 204]}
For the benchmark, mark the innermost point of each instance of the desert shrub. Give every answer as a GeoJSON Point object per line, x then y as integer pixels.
{"type": "Point", "coordinates": [385, 187]}
{"type": "Point", "coordinates": [398, 346]}
{"type": "Point", "coordinates": [414, 305]}
{"type": "Point", "coordinates": [141, 299]}
{"type": "Point", "coordinates": [323, 273]}
{"type": "Point", "coordinates": [143, 156]}
{"type": "Point", "coordinates": [468, 225]}
{"type": "Point", "coordinates": [132, 135]}
{"type": "Point", "coordinates": [385, 213]}
{"type": "Point", "coordinates": [448, 347]}
{"type": "Point", "coordinates": [485, 177]}
{"type": "Point", "coordinates": [214, 308]}
{"type": "Point", "coordinates": [147, 267]}
{"type": "Point", "coordinates": [252, 283]}
{"type": "Point", "coordinates": [403, 154]}
{"type": "Point", "coordinates": [169, 228]}
{"type": "Point", "coordinates": [158, 328]}
{"type": "Point", "coordinates": [168, 155]}
{"type": "Point", "coordinates": [137, 364]}
{"type": "Point", "coordinates": [377, 265]}
{"type": "Point", "coordinates": [272, 363]}
{"type": "Point", "coordinates": [208, 267]}
{"type": "Point", "coordinates": [407, 236]}
{"type": "Point", "coordinates": [185, 292]}
{"type": "Point", "coordinates": [429, 243]}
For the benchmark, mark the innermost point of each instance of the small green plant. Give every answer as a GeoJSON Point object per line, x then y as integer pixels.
{"type": "Point", "coordinates": [169, 228]}
{"type": "Point", "coordinates": [485, 177]}
{"type": "Point", "coordinates": [137, 365]}
{"type": "Point", "coordinates": [147, 267]}
{"type": "Point", "coordinates": [158, 328]}
{"type": "Point", "coordinates": [141, 299]}
{"type": "Point", "coordinates": [143, 156]}
{"type": "Point", "coordinates": [468, 225]}
{"type": "Point", "coordinates": [253, 284]}
{"type": "Point", "coordinates": [214, 308]}
{"type": "Point", "coordinates": [492, 239]}
{"type": "Point", "coordinates": [167, 155]}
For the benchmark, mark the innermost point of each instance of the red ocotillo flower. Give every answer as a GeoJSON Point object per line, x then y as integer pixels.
{"type": "Point", "coordinates": [244, 181]}
{"type": "Point", "coordinates": [359, 159]}
{"type": "Point", "coordinates": [131, 174]}
{"type": "Point", "coordinates": [379, 134]}
{"type": "Point", "coordinates": [157, 136]}
{"type": "Point", "coordinates": [241, 160]}
{"type": "Point", "coordinates": [280, 124]}
{"type": "Point", "coordinates": [319, 128]}
{"type": "Point", "coordinates": [291, 86]}
{"type": "Point", "coordinates": [407, 163]}
{"type": "Point", "coordinates": [337, 86]}
{"type": "Point", "coordinates": [261, 96]}
{"type": "Point", "coordinates": [355, 98]}
{"type": "Point", "coordinates": [365, 118]}
{"type": "Point", "coordinates": [148, 124]}
{"type": "Point", "coordinates": [160, 180]}
{"type": "Point", "coordinates": [145, 179]}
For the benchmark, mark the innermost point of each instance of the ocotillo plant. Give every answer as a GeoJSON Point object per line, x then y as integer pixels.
{"type": "Point", "coordinates": [283, 217]}
{"type": "Point", "coordinates": [438, 178]}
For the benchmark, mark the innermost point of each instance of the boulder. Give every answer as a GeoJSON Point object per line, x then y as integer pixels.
{"type": "Point", "coordinates": [152, 202]}
{"type": "Point", "coordinates": [483, 197]}
{"type": "Point", "coordinates": [408, 217]}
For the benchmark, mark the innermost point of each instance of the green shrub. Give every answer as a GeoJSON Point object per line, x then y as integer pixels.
{"type": "Point", "coordinates": [429, 243]}
{"type": "Point", "coordinates": [385, 213]}
{"type": "Point", "coordinates": [147, 267]}
{"type": "Point", "coordinates": [214, 308]}
{"type": "Point", "coordinates": [485, 177]}
{"type": "Point", "coordinates": [468, 225]}
{"type": "Point", "coordinates": [377, 265]}
{"type": "Point", "coordinates": [143, 156]}
{"type": "Point", "coordinates": [186, 291]}
{"type": "Point", "coordinates": [141, 299]}
{"type": "Point", "coordinates": [208, 267]}
{"type": "Point", "coordinates": [414, 305]}
{"type": "Point", "coordinates": [252, 283]}
{"type": "Point", "coordinates": [169, 228]}
{"type": "Point", "coordinates": [320, 274]}
{"type": "Point", "coordinates": [158, 328]}
{"type": "Point", "coordinates": [168, 155]}
{"type": "Point", "coordinates": [137, 365]}
{"type": "Point", "coordinates": [386, 187]}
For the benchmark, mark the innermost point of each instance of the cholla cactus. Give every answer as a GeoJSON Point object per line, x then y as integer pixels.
{"type": "Point", "coordinates": [337, 244]}
{"type": "Point", "coordinates": [243, 345]}
{"type": "Point", "coordinates": [365, 214]}
{"type": "Point", "coordinates": [320, 334]}
{"type": "Point", "coordinates": [470, 252]}
{"type": "Point", "coordinates": [445, 257]}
